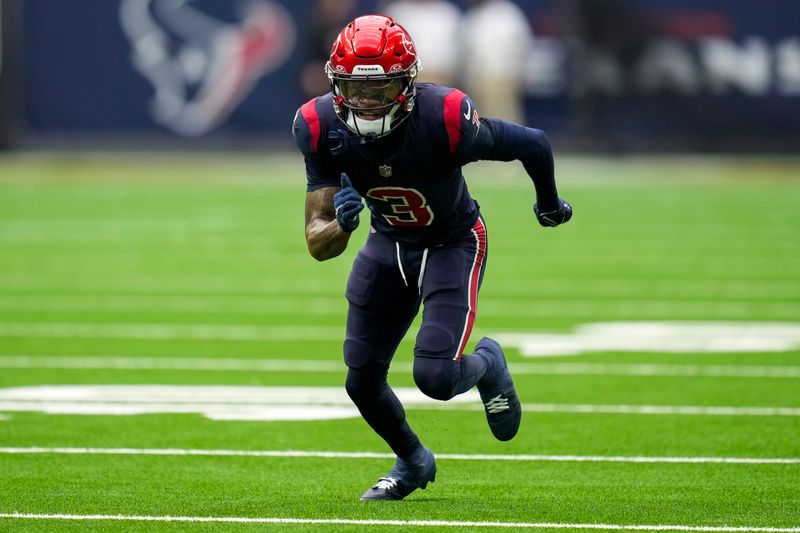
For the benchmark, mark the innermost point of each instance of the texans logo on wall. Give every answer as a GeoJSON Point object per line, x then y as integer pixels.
{"type": "Point", "coordinates": [201, 64]}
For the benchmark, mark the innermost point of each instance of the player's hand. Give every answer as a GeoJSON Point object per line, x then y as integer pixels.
{"type": "Point", "coordinates": [550, 219]}
{"type": "Point", "coordinates": [347, 203]}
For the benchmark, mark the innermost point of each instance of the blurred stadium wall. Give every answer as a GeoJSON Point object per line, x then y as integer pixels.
{"type": "Point", "coordinates": [9, 72]}
{"type": "Point", "coordinates": [618, 75]}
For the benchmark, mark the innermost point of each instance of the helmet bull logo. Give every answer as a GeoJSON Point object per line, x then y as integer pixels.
{"type": "Point", "coordinates": [201, 67]}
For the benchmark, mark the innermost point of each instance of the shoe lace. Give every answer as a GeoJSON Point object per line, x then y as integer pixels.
{"type": "Point", "coordinates": [386, 483]}
{"type": "Point", "coordinates": [497, 404]}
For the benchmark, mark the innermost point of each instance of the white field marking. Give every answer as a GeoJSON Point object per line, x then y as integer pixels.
{"type": "Point", "coordinates": [322, 306]}
{"type": "Point", "coordinates": [230, 305]}
{"type": "Point", "coordinates": [161, 240]}
{"type": "Point", "coordinates": [677, 336]}
{"type": "Point", "coordinates": [375, 455]}
{"type": "Point", "coordinates": [621, 369]}
{"type": "Point", "coordinates": [220, 233]}
{"type": "Point", "coordinates": [73, 330]}
{"type": "Point", "coordinates": [155, 284]}
{"type": "Point", "coordinates": [403, 523]}
{"type": "Point", "coordinates": [614, 288]}
{"type": "Point", "coordinates": [255, 244]}
{"type": "Point", "coordinates": [291, 403]}
{"type": "Point", "coordinates": [636, 409]}
{"type": "Point", "coordinates": [201, 364]}
{"type": "Point", "coordinates": [182, 363]}
{"type": "Point", "coordinates": [214, 402]}
{"type": "Point", "coordinates": [668, 410]}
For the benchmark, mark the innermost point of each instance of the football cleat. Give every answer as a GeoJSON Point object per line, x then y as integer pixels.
{"type": "Point", "coordinates": [405, 477]}
{"type": "Point", "coordinates": [499, 396]}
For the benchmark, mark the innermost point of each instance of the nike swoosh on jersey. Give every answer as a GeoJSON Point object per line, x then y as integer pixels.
{"type": "Point", "coordinates": [469, 108]}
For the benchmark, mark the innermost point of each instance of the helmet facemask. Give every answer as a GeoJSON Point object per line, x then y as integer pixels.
{"type": "Point", "coordinates": [374, 103]}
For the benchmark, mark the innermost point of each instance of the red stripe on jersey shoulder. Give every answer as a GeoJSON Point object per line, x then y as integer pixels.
{"type": "Point", "coordinates": [452, 117]}
{"type": "Point", "coordinates": [309, 112]}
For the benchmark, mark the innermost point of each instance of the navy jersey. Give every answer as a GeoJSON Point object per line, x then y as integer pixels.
{"type": "Point", "coordinates": [410, 179]}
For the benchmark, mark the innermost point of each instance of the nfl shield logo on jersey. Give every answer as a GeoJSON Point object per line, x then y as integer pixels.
{"type": "Point", "coordinates": [385, 171]}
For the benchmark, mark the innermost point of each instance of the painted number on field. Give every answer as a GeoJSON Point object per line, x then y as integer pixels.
{"type": "Point", "coordinates": [662, 337]}
{"type": "Point", "coordinates": [214, 402]}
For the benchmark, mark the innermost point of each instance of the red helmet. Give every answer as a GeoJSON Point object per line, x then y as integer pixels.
{"type": "Point", "coordinates": [372, 71]}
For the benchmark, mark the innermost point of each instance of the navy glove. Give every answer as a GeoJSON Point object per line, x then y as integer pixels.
{"type": "Point", "coordinates": [550, 219]}
{"type": "Point", "coordinates": [347, 203]}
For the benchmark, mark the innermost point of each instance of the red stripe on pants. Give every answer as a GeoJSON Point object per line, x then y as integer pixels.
{"type": "Point", "coordinates": [479, 231]}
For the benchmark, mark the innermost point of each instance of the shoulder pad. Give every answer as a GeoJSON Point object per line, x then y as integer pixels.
{"type": "Point", "coordinates": [461, 119]}
{"type": "Point", "coordinates": [306, 127]}
{"type": "Point", "coordinates": [452, 117]}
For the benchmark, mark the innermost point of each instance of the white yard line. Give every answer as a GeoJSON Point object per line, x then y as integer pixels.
{"type": "Point", "coordinates": [177, 363]}
{"type": "Point", "coordinates": [624, 409]}
{"type": "Point", "coordinates": [653, 409]}
{"type": "Point", "coordinates": [174, 304]}
{"type": "Point", "coordinates": [621, 369]}
{"type": "Point", "coordinates": [255, 410]}
{"type": "Point", "coordinates": [335, 306]}
{"type": "Point", "coordinates": [170, 331]}
{"type": "Point", "coordinates": [754, 291]}
{"type": "Point", "coordinates": [635, 337]}
{"type": "Point", "coordinates": [400, 523]}
{"type": "Point", "coordinates": [330, 365]}
{"type": "Point", "coordinates": [375, 455]}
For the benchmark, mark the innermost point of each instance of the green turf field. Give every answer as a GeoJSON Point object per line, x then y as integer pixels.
{"type": "Point", "coordinates": [166, 341]}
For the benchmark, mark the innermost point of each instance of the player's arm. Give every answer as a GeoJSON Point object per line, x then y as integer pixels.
{"type": "Point", "coordinates": [332, 204]}
{"type": "Point", "coordinates": [332, 214]}
{"type": "Point", "coordinates": [498, 140]}
{"type": "Point", "coordinates": [324, 236]}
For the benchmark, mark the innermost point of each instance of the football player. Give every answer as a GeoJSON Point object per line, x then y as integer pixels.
{"type": "Point", "coordinates": [382, 139]}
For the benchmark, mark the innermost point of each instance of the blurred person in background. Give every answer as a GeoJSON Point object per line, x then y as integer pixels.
{"type": "Point", "coordinates": [327, 18]}
{"type": "Point", "coordinates": [435, 25]}
{"type": "Point", "coordinates": [9, 68]}
{"type": "Point", "coordinates": [496, 42]}
{"type": "Point", "coordinates": [381, 137]}
{"type": "Point", "coordinates": [605, 39]}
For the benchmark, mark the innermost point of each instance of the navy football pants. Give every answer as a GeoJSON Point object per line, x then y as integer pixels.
{"type": "Point", "coordinates": [386, 287]}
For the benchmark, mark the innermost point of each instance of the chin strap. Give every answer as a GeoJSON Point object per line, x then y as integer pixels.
{"type": "Point", "coordinates": [344, 140]}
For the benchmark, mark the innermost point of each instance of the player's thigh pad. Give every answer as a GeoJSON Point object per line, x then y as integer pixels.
{"type": "Point", "coordinates": [380, 311]}
{"type": "Point", "coordinates": [450, 291]}
{"type": "Point", "coordinates": [362, 277]}
{"type": "Point", "coordinates": [447, 269]}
